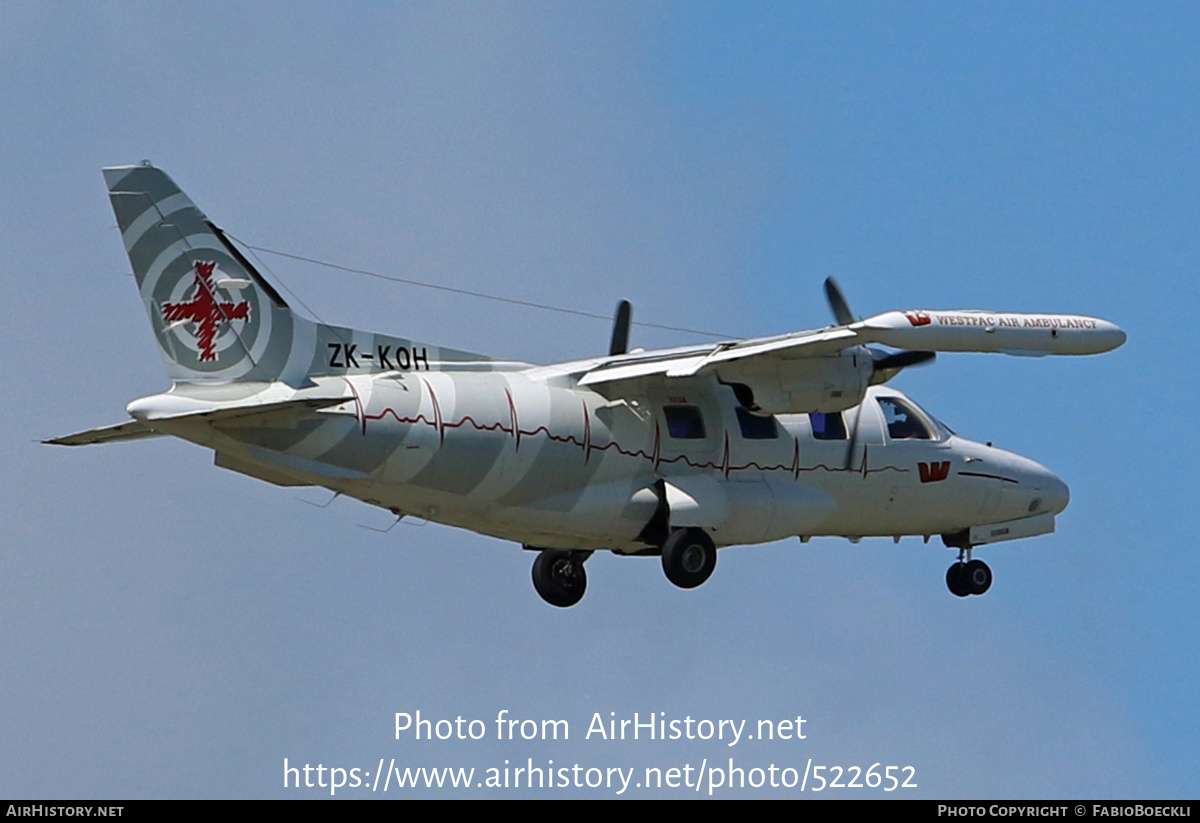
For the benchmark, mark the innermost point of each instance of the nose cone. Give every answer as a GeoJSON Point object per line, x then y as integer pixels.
{"type": "Point", "coordinates": [1039, 490]}
{"type": "Point", "coordinates": [1055, 494]}
{"type": "Point", "coordinates": [1019, 487]}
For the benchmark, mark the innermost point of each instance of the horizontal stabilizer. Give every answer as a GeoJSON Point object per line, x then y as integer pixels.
{"type": "Point", "coordinates": [166, 407]}
{"type": "Point", "coordinates": [149, 422]}
{"type": "Point", "coordinates": [133, 430]}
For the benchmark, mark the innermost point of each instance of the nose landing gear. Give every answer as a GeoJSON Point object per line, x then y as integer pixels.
{"type": "Point", "coordinates": [971, 577]}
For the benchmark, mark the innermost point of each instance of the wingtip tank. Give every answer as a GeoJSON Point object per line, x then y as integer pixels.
{"type": "Point", "coordinates": [1003, 332]}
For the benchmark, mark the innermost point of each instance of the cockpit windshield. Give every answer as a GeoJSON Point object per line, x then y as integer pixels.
{"type": "Point", "coordinates": [903, 422]}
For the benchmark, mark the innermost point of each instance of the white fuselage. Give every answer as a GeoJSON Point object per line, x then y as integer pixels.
{"type": "Point", "coordinates": [533, 458]}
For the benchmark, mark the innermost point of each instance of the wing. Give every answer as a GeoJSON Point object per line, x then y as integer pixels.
{"type": "Point", "coordinates": [829, 369]}
{"type": "Point", "coordinates": [691, 362]}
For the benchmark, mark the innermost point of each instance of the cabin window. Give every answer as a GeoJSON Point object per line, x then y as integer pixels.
{"type": "Point", "coordinates": [684, 422]}
{"type": "Point", "coordinates": [902, 422]}
{"type": "Point", "coordinates": [827, 426]}
{"type": "Point", "coordinates": [756, 426]}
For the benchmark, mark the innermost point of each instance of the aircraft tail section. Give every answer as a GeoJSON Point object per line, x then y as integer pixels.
{"type": "Point", "coordinates": [217, 319]}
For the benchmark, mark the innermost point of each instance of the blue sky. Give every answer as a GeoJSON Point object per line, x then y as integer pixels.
{"type": "Point", "coordinates": [174, 630]}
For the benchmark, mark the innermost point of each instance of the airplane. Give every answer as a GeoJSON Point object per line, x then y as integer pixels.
{"type": "Point", "coordinates": [671, 453]}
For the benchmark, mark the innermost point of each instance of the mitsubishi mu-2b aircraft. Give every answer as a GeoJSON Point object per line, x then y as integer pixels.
{"type": "Point", "coordinates": [670, 453]}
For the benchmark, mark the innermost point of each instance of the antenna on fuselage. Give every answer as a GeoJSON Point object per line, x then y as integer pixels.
{"type": "Point", "coordinates": [620, 333]}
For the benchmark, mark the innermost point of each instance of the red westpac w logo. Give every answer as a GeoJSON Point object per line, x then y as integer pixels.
{"type": "Point", "coordinates": [933, 472]}
{"type": "Point", "coordinates": [205, 312]}
{"type": "Point", "coordinates": [917, 318]}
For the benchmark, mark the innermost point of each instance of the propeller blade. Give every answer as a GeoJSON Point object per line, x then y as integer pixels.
{"type": "Point", "coordinates": [850, 447]}
{"type": "Point", "coordinates": [901, 360]}
{"type": "Point", "coordinates": [887, 365]}
{"type": "Point", "coordinates": [620, 333]}
{"type": "Point", "coordinates": [837, 303]}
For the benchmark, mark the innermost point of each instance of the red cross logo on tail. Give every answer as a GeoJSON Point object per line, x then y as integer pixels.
{"type": "Point", "coordinates": [204, 310]}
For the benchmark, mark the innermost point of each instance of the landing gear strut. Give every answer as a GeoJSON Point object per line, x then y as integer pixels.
{"type": "Point", "coordinates": [688, 557]}
{"type": "Point", "coordinates": [559, 577]}
{"type": "Point", "coordinates": [971, 577]}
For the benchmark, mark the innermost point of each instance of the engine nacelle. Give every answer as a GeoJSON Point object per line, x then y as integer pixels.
{"type": "Point", "coordinates": [803, 385]}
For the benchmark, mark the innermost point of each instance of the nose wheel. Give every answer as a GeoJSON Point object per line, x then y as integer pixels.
{"type": "Point", "coordinates": [559, 577]}
{"type": "Point", "coordinates": [972, 577]}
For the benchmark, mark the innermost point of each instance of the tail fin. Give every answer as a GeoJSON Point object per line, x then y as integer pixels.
{"type": "Point", "coordinates": [217, 319]}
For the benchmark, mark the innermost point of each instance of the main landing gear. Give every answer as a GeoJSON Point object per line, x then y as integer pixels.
{"type": "Point", "coordinates": [688, 559]}
{"type": "Point", "coordinates": [970, 577]}
{"type": "Point", "coordinates": [559, 577]}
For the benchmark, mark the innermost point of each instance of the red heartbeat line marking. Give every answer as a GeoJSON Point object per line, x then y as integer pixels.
{"type": "Point", "coordinates": [654, 457]}
{"type": "Point", "coordinates": [204, 310]}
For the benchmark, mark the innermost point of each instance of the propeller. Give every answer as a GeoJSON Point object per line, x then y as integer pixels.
{"type": "Point", "coordinates": [620, 333]}
{"type": "Point", "coordinates": [886, 365]}
{"type": "Point", "coordinates": [887, 361]}
{"type": "Point", "coordinates": [853, 442]}
{"type": "Point", "coordinates": [837, 303]}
